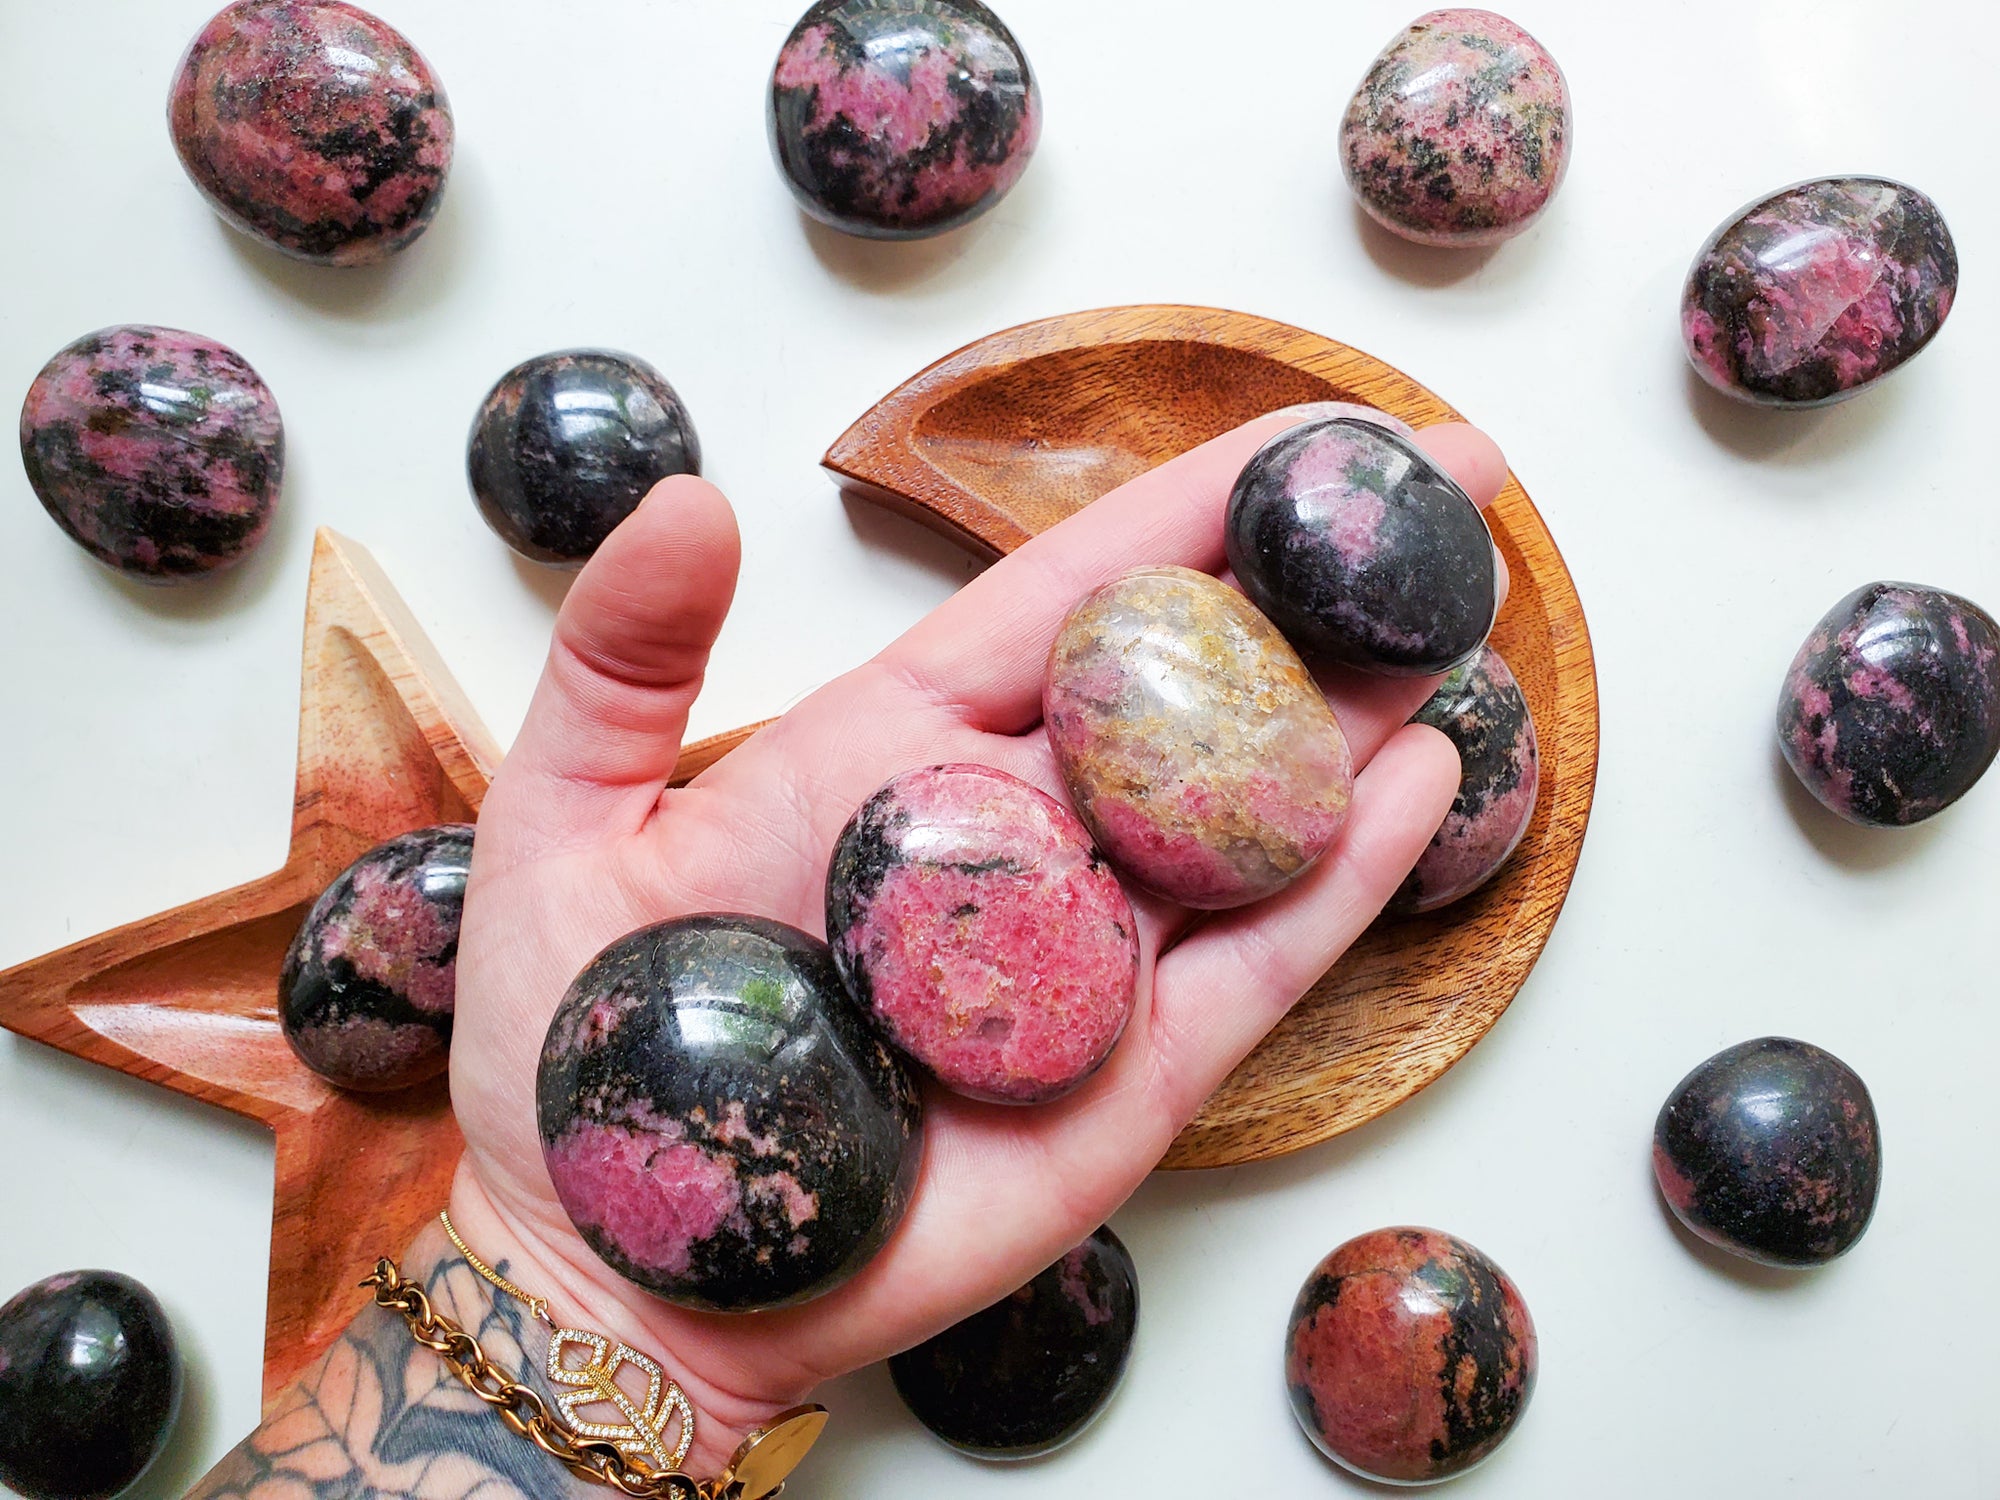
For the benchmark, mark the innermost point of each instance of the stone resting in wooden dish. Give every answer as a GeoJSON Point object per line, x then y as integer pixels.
{"type": "Point", "coordinates": [991, 445]}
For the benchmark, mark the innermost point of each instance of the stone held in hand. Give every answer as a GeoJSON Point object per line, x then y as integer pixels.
{"type": "Point", "coordinates": [314, 127]}
{"type": "Point", "coordinates": [369, 985]}
{"type": "Point", "coordinates": [90, 1385]}
{"type": "Point", "coordinates": [1771, 1150]}
{"type": "Point", "coordinates": [1198, 749]}
{"type": "Point", "coordinates": [1028, 1374]}
{"type": "Point", "coordinates": [719, 1124]}
{"type": "Point", "coordinates": [981, 932]}
{"type": "Point", "coordinates": [161, 453]}
{"type": "Point", "coordinates": [1363, 550]}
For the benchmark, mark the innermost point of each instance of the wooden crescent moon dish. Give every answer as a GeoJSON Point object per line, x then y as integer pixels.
{"type": "Point", "coordinates": [992, 444]}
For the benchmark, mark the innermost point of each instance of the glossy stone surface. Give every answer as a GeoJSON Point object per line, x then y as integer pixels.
{"type": "Point", "coordinates": [566, 445]}
{"type": "Point", "coordinates": [160, 452]}
{"type": "Point", "coordinates": [1410, 1356]}
{"type": "Point", "coordinates": [1818, 291]}
{"type": "Point", "coordinates": [1196, 746]}
{"type": "Point", "coordinates": [1481, 708]}
{"type": "Point", "coordinates": [897, 119]}
{"type": "Point", "coordinates": [90, 1384]}
{"type": "Point", "coordinates": [1029, 1373]}
{"type": "Point", "coordinates": [1891, 710]}
{"type": "Point", "coordinates": [719, 1123]}
{"type": "Point", "coordinates": [1361, 550]}
{"type": "Point", "coordinates": [366, 995]}
{"type": "Point", "coordinates": [1459, 134]}
{"type": "Point", "coordinates": [984, 935]}
{"type": "Point", "coordinates": [1771, 1150]}
{"type": "Point", "coordinates": [313, 126]}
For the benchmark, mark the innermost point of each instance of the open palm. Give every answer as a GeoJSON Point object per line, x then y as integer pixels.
{"type": "Point", "coordinates": [580, 842]}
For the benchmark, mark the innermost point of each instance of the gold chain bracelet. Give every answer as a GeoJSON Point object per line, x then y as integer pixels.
{"type": "Point", "coordinates": [756, 1472]}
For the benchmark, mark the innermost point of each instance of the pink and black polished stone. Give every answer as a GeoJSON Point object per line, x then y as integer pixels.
{"type": "Point", "coordinates": [314, 127]}
{"type": "Point", "coordinates": [718, 1121]}
{"type": "Point", "coordinates": [898, 119]}
{"type": "Point", "coordinates": [1410, 1356]}
{"type": "Point", "coordinates": [1459, 134]}
{"type": "Point", "coordinates": [1771, 1150]}
{"type": "Point", "coordinates": [1362, 550]}
{"type": "Point", "coordinates": [160, 453]}
{"type": "Point", "coordinates": [1816, 292]}
{"type": "Point", "coordinates": [1483, 711]}
{"type": "Point", "coordinates": [1029, 1373]}
{"type": "Point", "coordinates": [369, 985]}
{"type": "Point", "coordinates": [982, 933]}
{"type": "Point", "coordinates": [566, 445]}
{"type": "Point", "coordinates": [1891, 710]}
{"type": "Point", "coordinates": [90, 1384]}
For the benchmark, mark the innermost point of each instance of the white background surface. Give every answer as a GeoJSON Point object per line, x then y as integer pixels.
{"type": "Point", "coordinates": [613, 186]}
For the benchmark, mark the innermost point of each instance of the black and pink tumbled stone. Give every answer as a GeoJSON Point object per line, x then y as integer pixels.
{"type": "Point", "coordinates": [1028, 1374]}
{"type": "Point", "coordinates": [982, 933]}
{"type": "Point", "coordinates": [1480, 707]}
{"type": "Point", "coordinates": [312, 126]}
{"type": "Point", "coordinates": [898, 119]}
{"type": "Point", "coordinates": [718, 1122]}
{"type": "Point", "coordinates": [90, 1385]}
{"type": "Point", "coordinates": [1891, 710]}
{"type": "Point", "coordinates": [1362, 550]}
{"type": "Point", "coordinates": [160, 453]}
{"type": "Point", "coordinates": [369, 986]}
{"type": "Point", "coordinates": [1771, 1150]}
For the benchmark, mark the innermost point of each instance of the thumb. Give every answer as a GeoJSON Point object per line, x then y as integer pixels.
{"type": "Point", "coordinates": [625, 664]}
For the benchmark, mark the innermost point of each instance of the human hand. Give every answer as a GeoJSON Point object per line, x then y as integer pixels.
{"type": "Point", "coordinates": [580, 842]}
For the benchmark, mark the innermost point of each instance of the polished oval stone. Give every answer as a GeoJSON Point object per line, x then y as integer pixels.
{"type": "Point", "coordinates": [1361, 550]}
{"type": "Point", "coordinates": [1195, 744]}
{"type": "Point", "coordinates": [1818, 291]}
{"type": "Point", "coordinates": [90, 1384]}
{"type": "Point", "coordinates": [1029, 1373]}
{"type": "Point", "coordinates": [1459, 133]}
{"type": "Point", "coordinates": [367, 991]}
{"type": "Point", "coordinates": [1410, 1356]}
{"type": "Point", "coordinates": [898, 119]}
{"type": "Point", "coordinates": [160, 452]}
{"type": "Point", "coordinates": [314, 127]}
{"type": "Point", "coordinates": [983, 934]}
{"type": "Point", "coordinates": [566, 445]}
{"type": "Point", "coordinates": [1891, 710]}
{"type": "Point", "coordinates": [1485, 714]}
{"type": "Point", "coordinates": [1771, 1150]}
{"type": "Point", "coordinates": [719, 1123]}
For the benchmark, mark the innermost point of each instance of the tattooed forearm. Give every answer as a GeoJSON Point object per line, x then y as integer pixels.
{"type": "Point", "coordinates": [382, 1418]}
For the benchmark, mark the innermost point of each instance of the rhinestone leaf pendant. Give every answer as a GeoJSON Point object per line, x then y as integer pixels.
{"type": "Point", "coordinates": [594, 1384]}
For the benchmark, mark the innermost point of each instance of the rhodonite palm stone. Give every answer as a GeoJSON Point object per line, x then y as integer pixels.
{"type": "Point", "coordinates": [1196, 746]}
{"type": "Point", "coordinates": [1029, 1373]}
{"type": "Point", "coordinates": [982, 933]}
{"type": "Point", "coordinates": [718, 1122]}
{"type": "Point", "coordinates": [1362, 550]}
{"type": "Point", "coordinates": [90, 1384]}
{"type": "Point", "coordinates": [897, 119]}
{"type": "Point", "coordinates": [1482, 710]}
{"type": "Point", "coordinates": [1771, 1150]}
{"type": "Point", "coordinates": [369, 986]}
{"type": "Point", "coordinates": [1460, 132]}
{"type": "Point", "coordinates": [160, 453]}
{"type": "Point", "coordinates": [566, 445]}
{"type": "Point", "coordinates": [1891, 710]}
{"type": "Point", "coordinates": [1410, 1356]}
{"type": "Point", "coordinates": [314, 127]}
{"type": "Point", "coordinates": [1818, 291]}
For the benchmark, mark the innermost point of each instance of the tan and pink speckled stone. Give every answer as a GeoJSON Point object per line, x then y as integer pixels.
{"type": "Point", "coordinates": [1197, 747]}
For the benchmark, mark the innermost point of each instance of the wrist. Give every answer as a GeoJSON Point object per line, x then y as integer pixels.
{"type": "Point", "coordinates": [552, 1263]}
